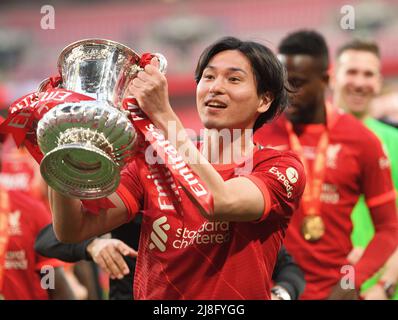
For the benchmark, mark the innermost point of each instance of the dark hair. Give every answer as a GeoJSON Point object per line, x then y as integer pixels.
{"type": "Point", "coordinates": [306, 42]}
{"type": "Point", "coordinates": [359, 45]}
{"type": "Point", "coordinates": [269, 73]}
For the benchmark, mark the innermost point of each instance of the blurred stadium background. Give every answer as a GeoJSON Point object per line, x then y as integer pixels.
{"type": "Point", "coordinates": [180, 29]}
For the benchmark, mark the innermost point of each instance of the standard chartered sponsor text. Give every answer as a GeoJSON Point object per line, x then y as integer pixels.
{"type": "Point", "coordinates": [208, 233]}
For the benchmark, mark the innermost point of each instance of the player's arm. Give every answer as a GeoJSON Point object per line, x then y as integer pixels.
{"type": "Point", "coordinates": [72, 224]}
{"type": "Point", "coordinates": [389, 278]}
{"type": "Point", "coordinates": [380, 199]}
{"type": "Point", "coordinates": [385, 287]}
{"type": "Point", "coordinates": [48, 245]}
{"type": "Point", "coordinates": [383, 243]}
{"type": "Point", "coordinates": [244, 198]}
{"type": "Point", "coordinates": [238, 199]}
{"type": "Point", "coordinates": [287, 276]}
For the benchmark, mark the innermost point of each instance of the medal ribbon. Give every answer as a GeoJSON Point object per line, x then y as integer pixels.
{"type": "Point", "coordinates": [311, 201]}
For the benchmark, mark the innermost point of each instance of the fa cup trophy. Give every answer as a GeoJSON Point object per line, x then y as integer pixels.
{"type": "Point", "coordinates": [86, 144]}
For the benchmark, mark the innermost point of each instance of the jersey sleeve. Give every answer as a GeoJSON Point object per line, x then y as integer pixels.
{"type": "Point", "coordinates": [380, 198]}
{"type": "Point", "coordinates": [376, 181]}
{"type": "Point", "coordinates": [131, 190]}
{"type": "Point", "coordinates": [281, 179]}
{"type": "Point", "coordinates": [382, 245]}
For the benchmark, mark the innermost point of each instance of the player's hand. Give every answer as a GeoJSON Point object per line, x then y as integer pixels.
{"type": "Point", "coordinates": [108, 254]}
{"type": "Point", "coordinates": [338, 293]}
{"type": "Point", "coordinates": [274, 297]}
{"type": "Point", "coordinates": [375, 293]}
{"type": "Point", "coordinates": [355, 255]}
{"type": "Point", "coordinates": [150, 89]}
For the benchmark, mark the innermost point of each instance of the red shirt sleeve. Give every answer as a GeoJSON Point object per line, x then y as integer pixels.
{"type": "Point", "coordinates": [383, 244]}
{"type": "Point", "coordinates": [376, 181]}
{"type": "Point", "coordinates": [380, 197]}
{"type": "Point", "coordinates": [281, 178]}
{"type": "Point", "coordinates": [131, 190]}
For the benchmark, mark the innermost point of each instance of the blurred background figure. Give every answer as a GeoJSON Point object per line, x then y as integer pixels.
{"type": "Point", "coordinates": [340, 166]}
{"type": "Point", "coordinates": [26, 275]}
{"type": "Point", "coordinates": [385, 106]}
{"type": "Point", "coordinates": [20, 175]}
{"type": "Point", "coordinates": [356, 81]}
{"type": "Point", "coordinates": [4, 209]}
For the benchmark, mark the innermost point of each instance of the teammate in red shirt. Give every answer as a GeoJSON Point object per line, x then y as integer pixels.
{"type": "Point", "coordinates": [343, 159]}
{"type": "Point", "coordinates": [4, 208]}
{"type": "Point", "coordinates": [26, 275]}
{"type": "Point", "coordinates": [228, 252]}
{"type": "Point", "coordinates": [24, 268]}
{"type": "Point", "coordinates": [19, 171]}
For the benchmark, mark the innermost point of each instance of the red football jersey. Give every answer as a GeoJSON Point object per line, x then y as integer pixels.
{"type": "Point", "coordinates": [185, 256]}
{"type": "Point", "coordinates": [18, 169]}
{"type": "Point", "coordinates": [22, 279]}
{"type": "Point", "coordinates": [355, 164]}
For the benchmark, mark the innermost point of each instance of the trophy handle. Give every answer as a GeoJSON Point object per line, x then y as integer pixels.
{"type": "Point", "coordinates": [162, 62]}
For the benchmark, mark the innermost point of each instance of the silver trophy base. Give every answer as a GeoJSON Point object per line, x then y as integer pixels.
{"type": "Point", "coordinates": [83, 172]}
{"type": "Point", "coordinates": [86, 145]}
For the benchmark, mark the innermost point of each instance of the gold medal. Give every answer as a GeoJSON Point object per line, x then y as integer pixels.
{"type": "Point", "coordinates": [313, 228]}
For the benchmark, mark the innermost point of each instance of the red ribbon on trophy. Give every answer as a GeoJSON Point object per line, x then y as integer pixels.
{"type": "Point", "coordinates": [171, 166]}
{"type": "Point", "coordinates": [28, 110]}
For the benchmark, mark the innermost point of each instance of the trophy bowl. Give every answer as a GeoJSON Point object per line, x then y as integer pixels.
{"type": "Point", "coordinates": [86, 144]}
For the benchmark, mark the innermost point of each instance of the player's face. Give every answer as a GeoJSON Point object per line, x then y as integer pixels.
{"type": "Point", "coordinates": [357, 80]}
{"type": "Point", "coordinates": [226, 94]}
{"type": "Point", "coordinates": [308, 83]}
